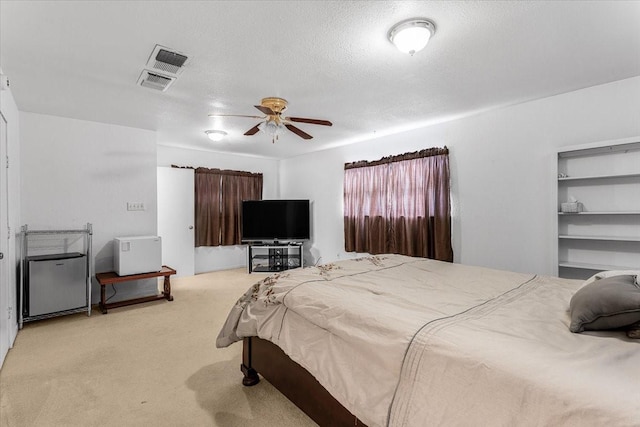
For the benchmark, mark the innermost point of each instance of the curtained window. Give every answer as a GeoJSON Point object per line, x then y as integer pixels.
{"type": "Point", "coordinates": [218, 199]}
{"type": "Point", "coordinates": [399, 204]}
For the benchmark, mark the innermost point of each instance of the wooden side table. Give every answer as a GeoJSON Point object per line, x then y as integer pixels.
{"type": "Point", "coordinates": [111, 277]}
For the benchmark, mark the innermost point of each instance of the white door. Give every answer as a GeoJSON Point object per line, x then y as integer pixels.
{"type": "Point", "coordinates": [5, 332]}
{"type": "Point", "coordinates": [176, 219]}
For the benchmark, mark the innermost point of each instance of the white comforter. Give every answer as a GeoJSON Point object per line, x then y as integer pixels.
{"type": "Point", "coordinates": [406, 341]}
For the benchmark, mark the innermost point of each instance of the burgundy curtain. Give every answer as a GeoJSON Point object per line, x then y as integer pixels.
{"type": "Point", "coordinates": [208, 186]}
{"type": "Point", "coordinates": [218, 198]}
{"type": "Point", "coordinates": [399, 204]}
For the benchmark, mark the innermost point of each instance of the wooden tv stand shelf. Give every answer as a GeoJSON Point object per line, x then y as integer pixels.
{"type": "Point", "coordinates": [111, 278]}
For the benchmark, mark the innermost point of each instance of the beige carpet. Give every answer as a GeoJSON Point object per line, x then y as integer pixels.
{"type": "Point", "coordinates": [151, 364]}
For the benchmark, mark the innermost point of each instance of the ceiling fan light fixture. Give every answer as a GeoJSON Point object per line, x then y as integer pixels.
{"type": "Point", "coordinates": [412, 35]}
{"type": "Point", "coordinates": [215, 135]}
{"type": "Point", "coordinates": [274, 123]}
{"type": "Point", "coordinates": [273, 128]}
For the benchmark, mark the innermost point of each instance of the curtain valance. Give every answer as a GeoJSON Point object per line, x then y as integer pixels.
{"type": "Point", "coordinates": [219, 171]}
{"type": "Point", "coordinates": [428, 152]}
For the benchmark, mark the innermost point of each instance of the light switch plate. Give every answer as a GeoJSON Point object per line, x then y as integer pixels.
{"type": "Point", "coordinates": [135, 206]}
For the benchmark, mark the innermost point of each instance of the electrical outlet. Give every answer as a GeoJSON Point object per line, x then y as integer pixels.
{"type": "Point", "coordinates": [135, 206]}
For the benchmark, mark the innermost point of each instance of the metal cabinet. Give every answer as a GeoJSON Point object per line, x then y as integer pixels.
{"type": "Point", "coordinates": [56, 282]}
{"type": "Point", "coordinates": [55, 272]}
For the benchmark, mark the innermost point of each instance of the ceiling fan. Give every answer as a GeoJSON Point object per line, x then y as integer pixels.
{"type": "Point", "coordinates": [274, 123]}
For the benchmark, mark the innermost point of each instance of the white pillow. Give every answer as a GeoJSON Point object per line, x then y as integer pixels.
{"type": "Point", "coordinates": [611, 273]}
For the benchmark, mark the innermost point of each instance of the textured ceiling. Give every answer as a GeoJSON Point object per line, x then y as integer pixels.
{"type": "Point", "coordinates": [330, 60]}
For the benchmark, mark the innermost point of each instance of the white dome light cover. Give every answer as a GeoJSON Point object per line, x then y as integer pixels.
{"type": "Point", "coordinates": [412, 35]}
{"type": "Point", "coordinates": [215, 135]}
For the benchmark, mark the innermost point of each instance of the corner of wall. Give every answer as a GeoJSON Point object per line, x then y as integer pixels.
{"type": "Point", "coordinates": [9, 111]}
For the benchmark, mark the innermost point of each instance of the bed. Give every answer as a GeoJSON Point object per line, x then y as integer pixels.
{"type": "Point", "coordinates": [391, 340]}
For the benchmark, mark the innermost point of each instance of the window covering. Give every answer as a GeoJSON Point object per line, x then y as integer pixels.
{"type": "Point", "coordinates": [399, 204]}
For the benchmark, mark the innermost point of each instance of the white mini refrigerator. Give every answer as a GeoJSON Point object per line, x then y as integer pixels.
{"type": "Point", "coordinates": [137, 254]}
{"type": "Point", "coordinates": [56, 282]}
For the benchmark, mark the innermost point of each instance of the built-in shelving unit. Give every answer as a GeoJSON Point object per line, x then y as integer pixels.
{"type": "Point", "coordinates": [274, 257]}
{"type": "Point", "coordinates": [605, 234]}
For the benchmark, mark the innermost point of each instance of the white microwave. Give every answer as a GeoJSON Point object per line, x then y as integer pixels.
{"type": "Point", "coordinates": [137, 254]}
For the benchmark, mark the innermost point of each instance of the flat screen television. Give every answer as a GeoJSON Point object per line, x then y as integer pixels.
{"type": "Point", "coordinates": [274, 220]}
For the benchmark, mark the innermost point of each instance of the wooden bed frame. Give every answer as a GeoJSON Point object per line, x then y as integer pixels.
{"type": "Point", "coordinates": [292, 380]}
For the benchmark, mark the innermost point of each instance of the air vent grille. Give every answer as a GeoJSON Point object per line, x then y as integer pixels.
{"type": "Point", "coordinates": [163, 68]}
{"type": "Point", "coordinates": [155, 81]}
{"type": "Point", "coordinates": [166, 61]}
{"type": "Point", "coordinates": [169, 62]}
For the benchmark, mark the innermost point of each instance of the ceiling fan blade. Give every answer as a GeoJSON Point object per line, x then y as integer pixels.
{"type": "Point", "coordinates": [298, 132]}
{"type": "Point", "coordinates": [253, 130]}
{"type": "Point", "coordinates": [310, 121]}
{"type": "Point", "coordinates": [266, 110]}
{"type": "Point", "coordinates": [235, 115]}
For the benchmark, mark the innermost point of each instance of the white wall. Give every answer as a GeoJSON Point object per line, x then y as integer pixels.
{"type": "Point", "coordinates": [501, 173]}
{"type": "Point", "coordinates": [222, 257]}
{"type": "Point", "coordinates": [9, 110]}
{"type": "Point", "coordinates": [76, 172]}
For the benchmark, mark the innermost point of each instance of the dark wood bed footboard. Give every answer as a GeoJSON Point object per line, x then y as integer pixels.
{"type": "Point", "coordinates": [295, 382]}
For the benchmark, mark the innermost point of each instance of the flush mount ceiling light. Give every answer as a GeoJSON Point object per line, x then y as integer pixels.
{"type": "Point", "coordinates": [215, 135]}
{"type": "Point", "coordinates": [412, 35]}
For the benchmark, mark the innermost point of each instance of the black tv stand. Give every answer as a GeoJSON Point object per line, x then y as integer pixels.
{"type": "Point", "coordinates": [274, 257]}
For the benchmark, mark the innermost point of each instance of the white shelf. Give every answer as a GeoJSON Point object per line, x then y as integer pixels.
{"type": "Point", "coordinates": [580, 178]}
{"type": "Point", "coordinates": [588, 266]}
{"type": "Point", "coordinates": [606, 238]}
{"type": "Point", "coordinates": [601, 213]}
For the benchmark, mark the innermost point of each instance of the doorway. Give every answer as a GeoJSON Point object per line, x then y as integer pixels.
{"type": "Point", "coordinates": [5, 305]}
{"type": "Point", "coordinates": [176, 218]}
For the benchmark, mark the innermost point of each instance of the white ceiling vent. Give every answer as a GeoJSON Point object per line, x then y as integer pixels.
{"type": "Point", "coordinates": [155, 81]}
{"type": "Point", "coordinates": [166, 61]}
